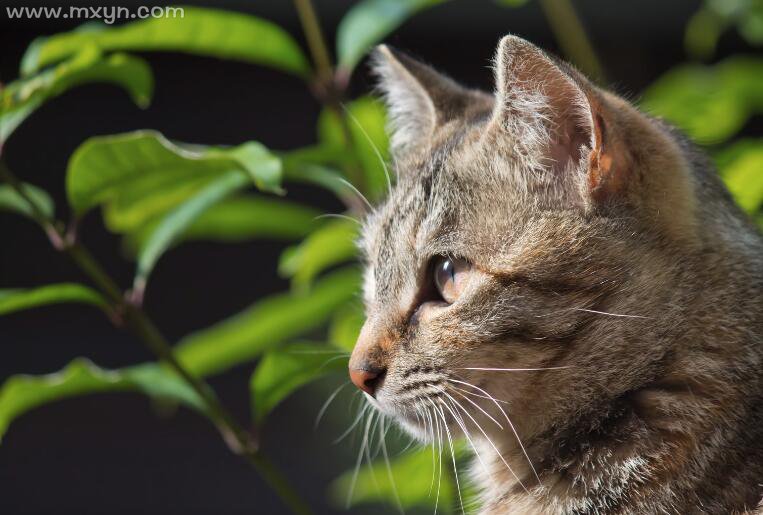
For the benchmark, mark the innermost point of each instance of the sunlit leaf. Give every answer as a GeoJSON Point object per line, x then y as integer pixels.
{"type": "Point", "coordinates": [702, 33]}
{"type": "Point", "coordinates": [11, 201]}
{"type": "Point", "coordinates": [346, 324]}
{"type": "Point", "coordinates": [370, 21]}
{"type": "Point", "coordinates": [266, 324]}
{"type": "Point", "coordinates": [173, 226]}
{"type": "Point", "coordinates": [280, 372]}
{"type": "Point", "coordinates": [414, 479]}
{"type": "Point", "coordinates": [741, 167]}
{"type": "Point", "coordinates": [21, 393]}
{"type": "Point", "coordinates": [141, 174]}
{"type": "Point", "coordinates": [201, 31]}
{"type": "Point", "coordinates": [12, 300]}
{"type": "Point", "coordinates": [751, 26]}
{"type": "Point", "coordinates": [242, 218]}
{"type": "Point", "coordinates": [20, 98]}
{"type": "Point", "coordinates": [329, 245]}
{"type": "Point", "coordinates": [715, 16]}
{"type": "Point", "coordinates": [299, 171]}
{"type": "Point", "coordinates": [366, 122]}
{"type": "Point", "coordinates": [710, 103]}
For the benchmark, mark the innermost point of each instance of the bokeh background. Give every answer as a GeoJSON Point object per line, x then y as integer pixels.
{"type": "Point", "coordinates": [116, 453]}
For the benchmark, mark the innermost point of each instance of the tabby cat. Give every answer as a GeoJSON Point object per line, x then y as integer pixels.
{"type": "Point", "coordinates": [565, 282]}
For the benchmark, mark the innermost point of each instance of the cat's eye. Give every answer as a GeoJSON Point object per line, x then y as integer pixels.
{"type": "Point", "coordinates": [450, 276]}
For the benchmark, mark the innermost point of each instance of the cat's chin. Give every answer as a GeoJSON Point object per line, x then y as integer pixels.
{"type": "Point", "coordinates": [405, 418]}
{"type": "Point", "coordinates": [415, 430]}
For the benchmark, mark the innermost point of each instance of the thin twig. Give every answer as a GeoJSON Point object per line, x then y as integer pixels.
{"type": "Point", "coordinates": [327, 88]}
{"type": "Point", "coordinates": [236, 437]}
{"type": "Point", "coordinates": [315, 40]}
{"type": "Point", "coordinates": [572, 37]}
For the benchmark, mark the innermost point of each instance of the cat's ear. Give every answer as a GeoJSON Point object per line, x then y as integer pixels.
{"type": "Point", "coordinates": [556, 112]}
{"type": "Point", "coordinates": [418, 98]}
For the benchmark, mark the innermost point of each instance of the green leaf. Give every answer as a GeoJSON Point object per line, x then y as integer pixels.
{"type": "Point", "coordinates": [710, 103]}
{"type": "Point", "coordinates": [410, 481]}
{"type": "Point", "coordinates": [20, 98]}
{"type": "Point", "coordinates": [716, 16]}
{"type": "Point", "coordinates": [282, 371]}
{"type": "Point", "coordinates": [207, 32]}
{"type": "Point", "coordinates": [370, 21]}
{"type": "Point", "coordinates": [12, 300]}
{"type": "Point", "coordinates": [367, 124]}
{"type": "Point", "coordinates": [241, 218]}
{"type": "Point", "coordinates": [741, 166]}
{"type": "Point", "coordinates": [21, 393]}
{"type": "Point", "coordinates": [346, 324]}
{"type": "Point", "coordinates": [141, 174]}
{"type": "Point", "coordinates": [299, 171]}
{"type": "Point", "coordinates": [265, 325]}
{"type": "Point", "coordinates": [173, 226]}
{"type": "Point", "coordinates": [329, 245]}
{"type": "Point", "coordinates": [11, 201]}
{"type": "Point", "coordinates": [703, 31]}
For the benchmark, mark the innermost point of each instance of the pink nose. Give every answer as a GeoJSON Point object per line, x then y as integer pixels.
{"type": "Point", "coordinates": [366, 380]}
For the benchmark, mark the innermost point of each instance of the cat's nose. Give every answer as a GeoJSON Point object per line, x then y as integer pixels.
{"type": "Point", "coordinates": [367, 379]}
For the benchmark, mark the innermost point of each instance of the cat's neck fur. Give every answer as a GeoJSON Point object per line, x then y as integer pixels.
{"type": "Point", "coordinates": [689, 440]}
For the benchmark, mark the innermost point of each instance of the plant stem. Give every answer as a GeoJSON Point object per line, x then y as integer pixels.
{"type": "Point", "coordinates": [315, 40]}
{"type": "Point", "coordinates": [572, 37]}
{"type": "Point", "coordinates": [238, 439]}
{"type": "Point", "coordinates": [329, 89]}
{"type": "Point", "coordinates": [53, 232]}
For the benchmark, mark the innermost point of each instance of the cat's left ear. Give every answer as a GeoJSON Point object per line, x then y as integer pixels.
{"type": "Point", "coordinates": [418, 98]}
{"type": "Point", "coordinates": [549, 106]}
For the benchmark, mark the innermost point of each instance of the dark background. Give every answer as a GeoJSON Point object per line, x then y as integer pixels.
{"type": "Point", "coordinates": [106, 454]}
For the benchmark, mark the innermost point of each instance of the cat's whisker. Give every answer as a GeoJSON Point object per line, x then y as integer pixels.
{"type": "Point", "coordinates": [609, 314]}
{"type": "Point", "coordinates": [328, 403]}
{"type": "Point", "coordinates": [594, 311]}
{"type": "Point", "coordinates": [460, 421]}
{"type": "Point", "coordinates": [383, 436]}
{"type": "Point", "coordinates": [490, 369]}
{"type": "Point", "coordinates": [357, 192]}
{"type": "Point", "coordinates": [358, 461]}
{"type": "Point", "coordinates": [452, 454]}
{"type": "Point", "coordinates": [373, 146]}
{"type": "Point", "coordinates": [338, 215]}
{"type": "Point", "coordinates": [417, 408]}
{"type": "Point", "coordinates": [439, 447]}
{"type": "Point", "coordinates": [371, 429]}
{"type": "Point", "coordinates": [511, 425]}
{"type": "Point", "coordinates": [490, 441]}
{"type": "Point", "coordinates": [355, 423]}
{"type": "Point", "coordinates": [330, 360]}
{"type": "Point", "coordinates": [430, 430]}
{"type": "Point", "coordinates": [467, 392]}
{"type": "Point", "coordinates": [479, 408]}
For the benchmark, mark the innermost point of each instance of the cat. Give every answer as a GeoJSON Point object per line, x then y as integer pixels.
{"type": "Point", "coordinates": [565, 282]}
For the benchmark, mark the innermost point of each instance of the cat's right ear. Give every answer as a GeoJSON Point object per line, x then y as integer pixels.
{"type": "Point", "coordinates": [418, 99]}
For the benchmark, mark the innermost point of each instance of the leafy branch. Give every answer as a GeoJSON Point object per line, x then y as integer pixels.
{"type": "Point", "coordinates": [239, 440]}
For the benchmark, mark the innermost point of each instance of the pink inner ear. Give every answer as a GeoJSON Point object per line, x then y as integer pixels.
{"type": "Point", "coordinates": [567, 141]}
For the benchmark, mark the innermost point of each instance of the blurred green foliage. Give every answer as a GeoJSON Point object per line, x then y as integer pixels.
{"type": "Point", "coordinates": [157, 194]}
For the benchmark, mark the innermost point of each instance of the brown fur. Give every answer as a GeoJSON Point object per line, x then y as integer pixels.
{"type": "Point", "coordinates": [601, 242]}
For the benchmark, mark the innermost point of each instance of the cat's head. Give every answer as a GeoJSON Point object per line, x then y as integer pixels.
{"type": "Point", "coordinates": [525, 252]}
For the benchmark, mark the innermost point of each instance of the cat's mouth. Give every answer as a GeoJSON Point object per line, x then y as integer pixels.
{"type": "Point", "coordinates": [417, 407]}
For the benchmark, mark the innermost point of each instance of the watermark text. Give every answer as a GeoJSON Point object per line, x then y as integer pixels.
{"type": "Point", "coordinates": [107, 14]}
